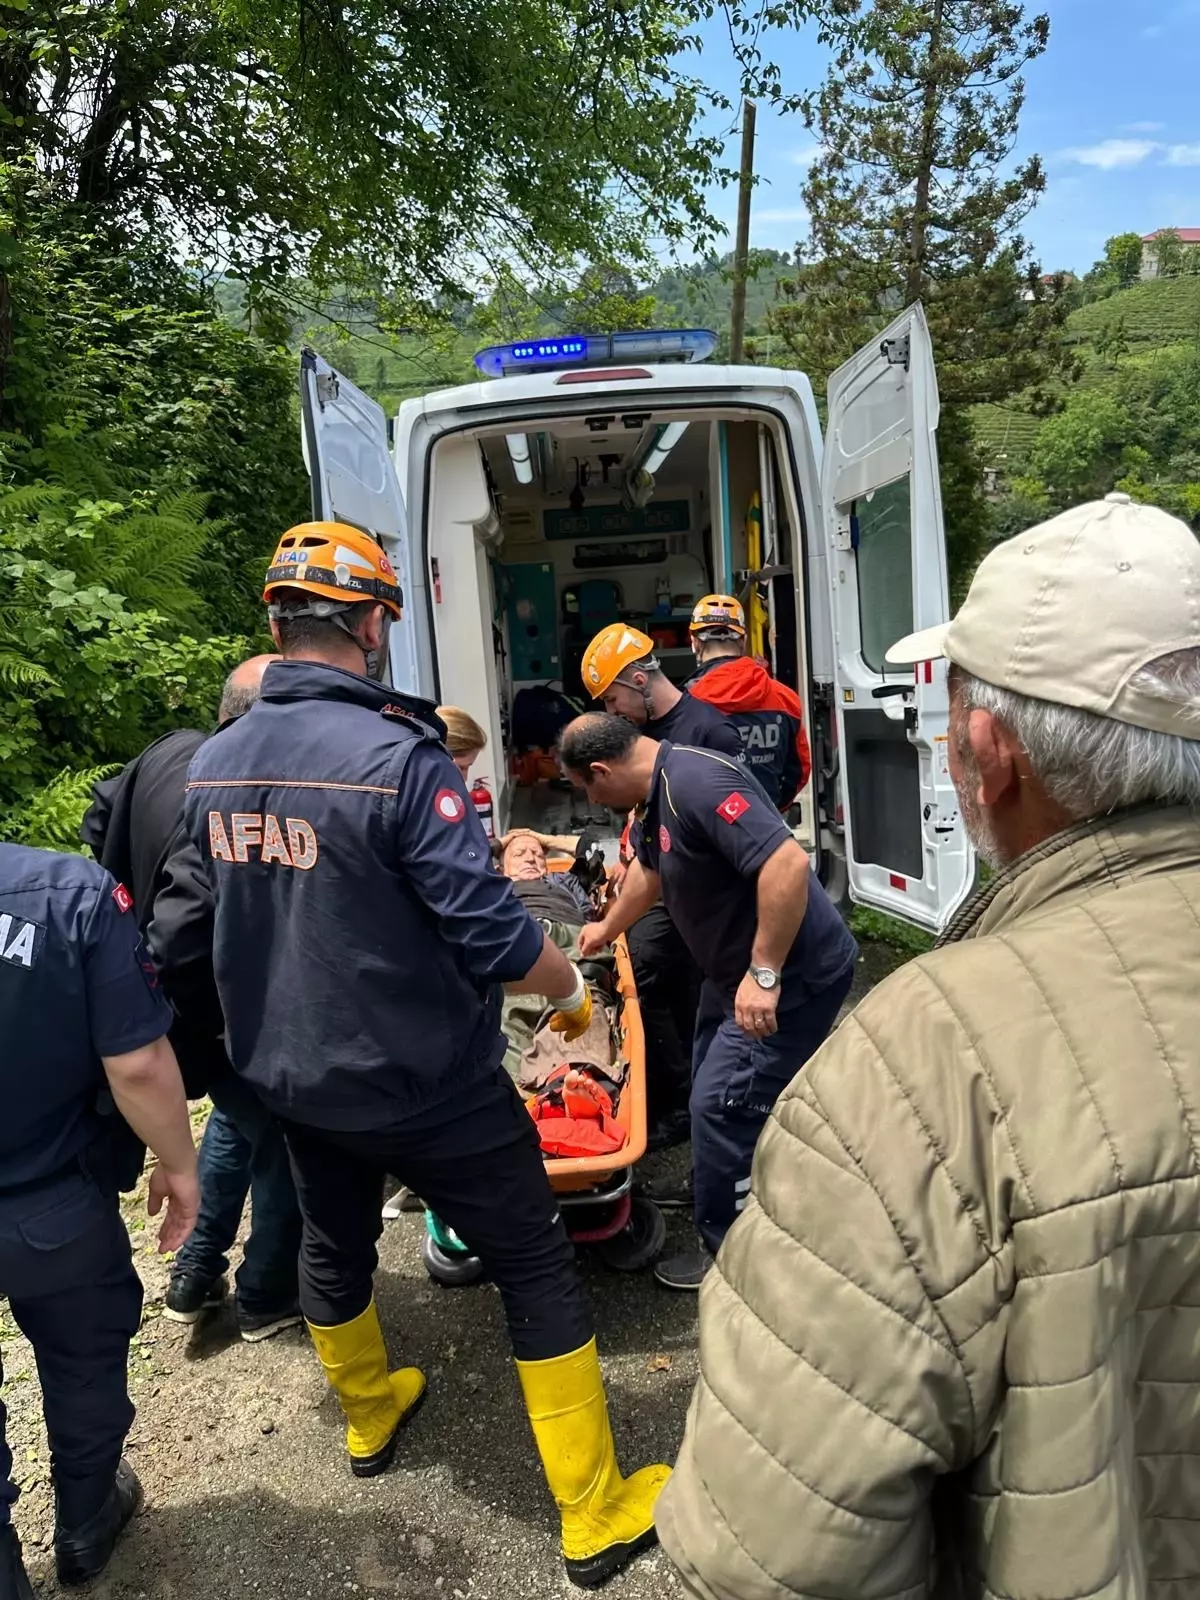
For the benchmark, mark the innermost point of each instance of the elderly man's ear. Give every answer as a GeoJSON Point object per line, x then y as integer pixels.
{"type": "Point", "coordinates": [1000, 761]}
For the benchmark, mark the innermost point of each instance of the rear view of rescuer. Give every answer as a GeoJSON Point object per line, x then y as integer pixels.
{"type": "Point", "coordinates": [362, 937]}
{"type": "Point", "coordinates": [766, 713]}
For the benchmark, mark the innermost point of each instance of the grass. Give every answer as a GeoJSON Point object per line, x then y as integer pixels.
{"type": "Point", "coordinates": [882, 929]}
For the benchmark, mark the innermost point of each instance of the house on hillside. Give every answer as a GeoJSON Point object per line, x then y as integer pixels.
{"type": "Point", "coordinates": [1189, 238]}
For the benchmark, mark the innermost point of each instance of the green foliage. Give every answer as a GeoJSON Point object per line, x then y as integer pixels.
{"type": "Point", "coordinates": [882, 929]}
{"type": "Point", "coordinates": [132, 420]}
{"type": "Point", "coordinates": [391, 144]}
{"type": "Point", "coordinates": [914, 197]}
{"type": "Point", "coordinates": [1170, 254]}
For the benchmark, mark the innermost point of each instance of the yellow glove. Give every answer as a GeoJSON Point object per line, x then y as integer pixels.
{"type": "Point", "coordinates": [574, 1016]}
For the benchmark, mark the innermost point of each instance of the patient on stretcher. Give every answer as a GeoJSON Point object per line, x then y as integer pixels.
{"type": "Point", "coordinates": [562, 903]}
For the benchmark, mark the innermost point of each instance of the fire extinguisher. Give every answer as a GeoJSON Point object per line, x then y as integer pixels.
{"type": "Point", "coordinates": [482, 799]}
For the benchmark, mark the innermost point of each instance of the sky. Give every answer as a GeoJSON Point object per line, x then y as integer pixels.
{"type": "Point", "coordinates": [1112, 108]}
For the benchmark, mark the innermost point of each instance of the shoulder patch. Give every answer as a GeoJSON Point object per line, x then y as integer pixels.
{"type": "Point", "coordinates": [122, 899]}
{"type": "Point", "coordinates": [732, 807]}
{"type": "Point", "coordinates": [664, 839]}
{"type": "Point", "coordinates": [21, 941]}
{"type": "Point", "coordinates": [449, 806]}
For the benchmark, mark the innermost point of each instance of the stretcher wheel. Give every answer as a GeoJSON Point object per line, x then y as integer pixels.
{"type": "Point", "coordinates": [452, 1269]}
{"type": "Point", "coordinates": [639, 1242]}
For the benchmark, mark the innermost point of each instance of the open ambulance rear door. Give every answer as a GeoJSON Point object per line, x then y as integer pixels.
{"type": "Point", "coordinates": [345, 442]}
{"type": "Point", "coordinates": [907, 852]}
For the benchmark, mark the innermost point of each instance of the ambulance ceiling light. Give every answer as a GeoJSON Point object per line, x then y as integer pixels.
{"type": "Point", "coordinates": [596, 350]}
{"type": "Point", "coordinates": [518, 450]}
{"type": "Point", "coordinates": [668, 437]}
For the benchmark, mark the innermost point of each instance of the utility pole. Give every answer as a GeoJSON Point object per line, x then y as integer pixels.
{"type": "Point", "coordinates": [741, 249]}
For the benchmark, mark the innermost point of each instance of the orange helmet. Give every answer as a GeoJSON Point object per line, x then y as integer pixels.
{"type": "Point", "coordinates": [612, 650]}
{"type": "Point", "coordinates": [720, 613]}
{"type": "Point", "coordinates": [336, 563]}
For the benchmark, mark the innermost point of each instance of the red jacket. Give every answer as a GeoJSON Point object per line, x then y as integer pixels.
{"type": "Point", "coordinates": [767, 715]}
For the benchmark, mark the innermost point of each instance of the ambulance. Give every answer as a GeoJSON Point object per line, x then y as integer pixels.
{"type": "Point", "coordinates": [584, 480]}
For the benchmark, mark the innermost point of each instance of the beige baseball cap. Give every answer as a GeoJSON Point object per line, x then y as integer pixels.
{"type": "Point", "coordinates": [1071, 610]}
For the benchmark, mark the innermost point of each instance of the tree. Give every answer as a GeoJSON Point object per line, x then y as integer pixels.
{"type": "Point", "coordinates": [913, 198]}
{"type": "Point", "coordinates": [605, 300]}
{"type": "Point", "coordinates": [394, 143]}
{"type": "Point", "coordinates": [1123, 259]}
{"type": "Point", "coordinates": [1169, 253]}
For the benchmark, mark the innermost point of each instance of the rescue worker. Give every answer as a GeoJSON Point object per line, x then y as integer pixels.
{"type": "Point", "coordinates": [134, 827]}
{"type": "Point", "coordinates": [84, 1026]}
{"type": "Point", "coordinates": [766, 713]}
{"type": "Point", "coordinates": [362, 936]}
{"type": "Point", "coordinates": [621, 670]}
{"type": "Point", "coordinates": [777, 958]}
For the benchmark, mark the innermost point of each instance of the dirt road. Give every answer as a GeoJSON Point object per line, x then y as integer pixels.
{"type": "Point", "coordinates": [239, 1447]}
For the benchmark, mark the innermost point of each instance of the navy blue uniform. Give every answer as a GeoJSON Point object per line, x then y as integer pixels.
{"type": "Point", "coordinates": [706, 830]}
{"type": "Point", "coordinates": [362, 936]}
{"type": "Point", "coordinates": [692, 722]}
{"type": "Point", "coordinates": [361, 933]}
{"type": "Point", "coordinates": [668, 981]}
{"type": "Point", "coordinates": [75, 985]}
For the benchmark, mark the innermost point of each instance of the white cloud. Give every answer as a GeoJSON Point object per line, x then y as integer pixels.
{"type": "Point", "coordinates": [1112, 153]}
{"type": "Point", "coordinates": [1143, 127]}
{"type": "Point", "coordinates": [1184, 155]}
{"type": "Point", "coordinates": [807, 155]}
{"type": "Point", "coordinates": [1155, 31]}
{"type": "Point", "coordinates": [781, 214]}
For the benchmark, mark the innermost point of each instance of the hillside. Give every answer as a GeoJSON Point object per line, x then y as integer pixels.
{"type": "Point", "coordinates": [1132, 326]}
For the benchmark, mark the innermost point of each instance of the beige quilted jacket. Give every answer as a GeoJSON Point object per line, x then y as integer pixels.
{"type": "Point", "coordinates": [953, 1345]}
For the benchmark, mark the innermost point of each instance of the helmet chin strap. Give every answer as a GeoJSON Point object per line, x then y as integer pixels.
{"type": "Point", "coordinates": [374, 661]}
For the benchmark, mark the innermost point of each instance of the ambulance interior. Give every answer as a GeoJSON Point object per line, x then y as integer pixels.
{"type": "Point", "coordinates": [618, 515]}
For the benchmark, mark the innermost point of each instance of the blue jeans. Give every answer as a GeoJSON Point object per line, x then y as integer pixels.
{"type": "Point", "coordinates": [242, 1153]}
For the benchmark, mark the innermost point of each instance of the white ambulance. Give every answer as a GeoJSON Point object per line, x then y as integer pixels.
{"type": "Point", "coordinates": [584, 480]}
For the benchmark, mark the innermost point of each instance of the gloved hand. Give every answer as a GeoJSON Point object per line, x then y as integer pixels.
{"type": "Point", "coordinates": [574, 1014]}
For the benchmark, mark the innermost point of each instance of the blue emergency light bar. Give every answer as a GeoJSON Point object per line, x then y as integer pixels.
{"type": "Point", "coordinates": [596, 350]}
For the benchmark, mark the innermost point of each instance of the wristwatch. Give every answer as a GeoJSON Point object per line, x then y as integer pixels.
{"type": "Point", "coordinates": [765, 977]}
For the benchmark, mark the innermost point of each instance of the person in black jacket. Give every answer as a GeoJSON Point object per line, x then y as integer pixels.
{"type": "Point", "coordinates": [135, 828]}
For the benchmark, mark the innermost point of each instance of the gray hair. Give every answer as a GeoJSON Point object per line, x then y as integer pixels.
{"type": "Point", "coordinates": [1091, 764]}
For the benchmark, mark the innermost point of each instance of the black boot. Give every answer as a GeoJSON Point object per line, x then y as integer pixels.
{"type": "Point", "coordinates": [14, 1582]}
{"type": "Point", "coordinates": [80, 1553]}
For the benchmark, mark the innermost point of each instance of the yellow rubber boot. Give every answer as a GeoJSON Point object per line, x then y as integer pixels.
{"type": "Point", "coordinates": [606, 1519]}
{"type": "Point", "coordinates": [377, 1403]}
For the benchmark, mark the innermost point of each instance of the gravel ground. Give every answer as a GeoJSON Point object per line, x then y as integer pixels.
{"type": "Point", "coordinates": [239, 1447]}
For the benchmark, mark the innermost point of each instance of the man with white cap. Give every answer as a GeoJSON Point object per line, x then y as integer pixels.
{"type": "Point", "coordinates": [952, 1346]}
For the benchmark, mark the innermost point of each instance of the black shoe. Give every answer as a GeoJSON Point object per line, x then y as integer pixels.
{"type": "Point", "coordinates": [81, 1553]}
{"type": "Point", "coordinates": [670, 1194]}
{"type": "Point", "coordinates": [686, 1272]}
{"type": "Point", "coordinates": [671, 1129]}
{"type": "Point", "coordinates": [14, 1580]}
{"type": "Point", "coordinates": [189, 1295]}
{"type": "Point", "coordinates": [255, 1326]}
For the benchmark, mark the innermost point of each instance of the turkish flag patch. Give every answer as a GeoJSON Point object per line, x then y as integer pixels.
{"type": "Point", "coordinates": [664, 840]}
{"type": "Point", "coordinates": [449, 806]}
{"type": "Point", "coordinates": [122, 898]}
{"type": "Point", "coordinates": [732, 807]}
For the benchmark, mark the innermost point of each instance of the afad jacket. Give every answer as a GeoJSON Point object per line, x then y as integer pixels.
{"type": "Point", "coordinates": [769, 720]}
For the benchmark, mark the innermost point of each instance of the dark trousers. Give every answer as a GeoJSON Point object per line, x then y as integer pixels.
{"type": "Point", "coordinates": [668, 985]}
{"type": "Point", "coordinates": [736, 1081]}
{"type": "Point", "coordinates": [243, 1152]}
{"type": "Point", "coordinates": [66, 1268]}
{"type": "Point", "coordinates": [477, 1163]}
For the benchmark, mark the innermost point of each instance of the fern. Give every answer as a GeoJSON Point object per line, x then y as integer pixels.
{"type": "Point", "coordinates": [17, 672]}
{"type": "Point", "coordinates": [49, 819]}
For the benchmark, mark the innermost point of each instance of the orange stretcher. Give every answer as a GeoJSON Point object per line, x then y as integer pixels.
{"type": "Point", "coordinates": [595, 1193]}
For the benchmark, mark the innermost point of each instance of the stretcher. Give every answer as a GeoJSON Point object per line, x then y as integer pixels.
{"type": "Point", "coordinates": [595, 1193]}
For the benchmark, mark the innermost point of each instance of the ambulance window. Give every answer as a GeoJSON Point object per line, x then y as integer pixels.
{"type": "Point", "coordinates": [882, 531]}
